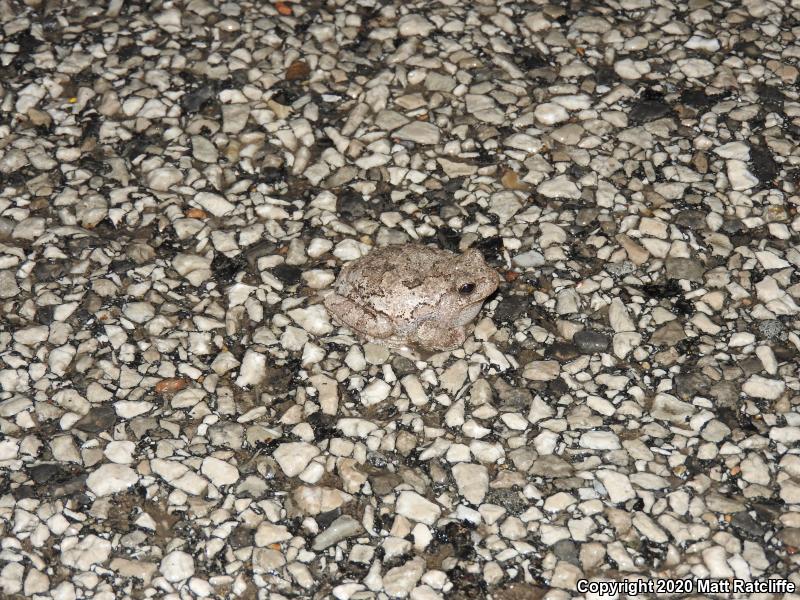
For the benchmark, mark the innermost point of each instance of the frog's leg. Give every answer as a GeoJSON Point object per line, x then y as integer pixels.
{"type": "Point", "coordinates": [359, 318]}
{"type": "Point", "coordinates": [437, 336]}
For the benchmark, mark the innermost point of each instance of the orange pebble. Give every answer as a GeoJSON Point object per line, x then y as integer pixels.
{"type": "Point", "coordinates": [196, 213]}
{"type": "Point", "coordinates": [169, 386]}
{"type": "Point", "coordinates": [298, 71]}
{"type": "Point", "coordinates": [283, 9]}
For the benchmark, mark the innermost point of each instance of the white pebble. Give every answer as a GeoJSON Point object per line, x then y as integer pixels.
{"type": "Point", "coordinates": [630, 69]}
{"type": "Point", "coordinates": [377, 391]}
{"type": "Point", "coordinates": [219, 471]}
{"type": "Point", "coordinates": [411, 25]}
{"type": "Point", "coordinates": [550, 113]}
{"type": "Point", "coordinates": [617, 485]}
{"type": "Point", "coordinates": [293, 457]}
{"type": "Point", "coordinates": [762, 387]}
{"type": "Point", "coordinates": [413, 506]}
{"type": "Point", "coordinates": [253, 369]}
{"type": "Point", "coordinates": [177, 566]}
{"type": "Point", "coordinates": [214, 203]}
{"type": "Point", "coordinates": [120, 452]}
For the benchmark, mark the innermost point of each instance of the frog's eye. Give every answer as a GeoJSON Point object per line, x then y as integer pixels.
{"type": "Point", "coordinates": [466, 289]}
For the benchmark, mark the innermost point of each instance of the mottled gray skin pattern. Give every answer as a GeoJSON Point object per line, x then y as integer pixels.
{"type": "Point", "coordinates": [412, 295]}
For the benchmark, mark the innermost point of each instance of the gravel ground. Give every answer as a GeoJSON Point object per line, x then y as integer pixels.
{"type": "Point", "coordinates": [179, 183]}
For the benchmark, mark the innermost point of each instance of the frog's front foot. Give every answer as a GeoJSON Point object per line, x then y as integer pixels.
{"type": "Point", "coordinates": [440, 337]}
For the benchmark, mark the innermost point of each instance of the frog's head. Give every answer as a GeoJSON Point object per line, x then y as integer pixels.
{"type": "Point", "coordinates": [470, 282]}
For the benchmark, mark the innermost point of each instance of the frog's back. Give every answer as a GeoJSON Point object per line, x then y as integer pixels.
{"type": "Point", "coordinates": [403, 282]}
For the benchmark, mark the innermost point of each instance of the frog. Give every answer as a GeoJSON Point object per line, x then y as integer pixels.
{"type": "Point", "coordinates": [412, 295]}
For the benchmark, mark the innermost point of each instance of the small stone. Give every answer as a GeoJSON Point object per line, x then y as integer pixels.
{"type": "Point", "coordinates": [550, 113]}
{"type": "Point", "coordinates": [459, 168]}
{"type": "Point", "coordinates": [81, 555]}
{"type": "Point", "coordinates": [591, 24]}
{"type": "Point", "coordinates": [569, 134]}
{"type": "Point", "coordinates": [413, 506]}
{"type": "Point", "coordinates": [90, 210]}
{"type": "Point", "coordinates": [99, 418]}
{"type": "Point", "coordinates": [696, 67]}
{"type": "Point", "coordinates": [599, 440]}
{"type": "Point", "coordinates": [399, 581]}
{"type": "Point", "coordinates": [685, 268]}
{"type": "Point", "coordinates": [110, 479]}
{"type": "Point", "coordinates": [293, 457]}
{"type": "Point", "coordinates": [619, 318]}
{"type": "Point", "coordinates": [203, 150]}
{"type": "Point", "coordinates": [313, 319]}
{"type": "Point", "coordinates": [762, 387]}
{"type": "Point", "coordinates": [171, 385]}
{"type": "Point", "coordinates": [739, 176]}
{"type": "Point", "coordinates": [785, 435]}
{"type": "Point", "coordinates": [193, 267]}
{"type": "Point", "coordinates": [169, 20]}
{"type": "Point", "coordinates": [8, 285]}
{"type": "Point", "coordinates": [770, 260]}
{"type": "Point", "coordinates": [472, 481]}
{"type": "Point", "coordinates": [120, 452]}
{"type": "Point", "coordinates": [298, 71]}
{"type": "Point", "coordinates": [617, 485]}
{"type": "Point", "coordinates": [589, 341]}
{"type": "Point", "coordinates": [670, 409]}
{"type": "Point", "coordinates": [219, 471]}
{"type": "Point", "coordinates": [163, 178]}
{"type": "Point", "coordinates": [529, 259]}
{"type": "Point", "coordinates": [253, 369]}
{"type": "Point", "coordinates": [565, 576]}
{"type": "Point", "coordinates": [697, 42]}
{"type": "Point", "coordinates": [411, 25]}
{"type": "Point", "coordinates": [630, 69]}
{"type": "Point", "coordinates": [646, 110]}
{"type": "Point", "coordinates": [734, 150]}
{"type": "Point", "coordinates": [559, 187]}
{"type": "Point", "coordinates": [316, 500]}
{"type": "Point", "coordinates": [29, 229]}
{"type": "Point", "coordinates": [11, 578]}
{"type": "Point", "coordinates": [377, 391]}
{"type": "Point", "coordinates": [342, 528]}
{"type": "Point", "coordinates": [568, 302]}
{"type": "Point", "coordinates": [214, 203]}
{"type": "Point", "coordinates": [439, 82]}
{"type": "Point", "coordinates": [139, 312]}
{"type": "Point", "coordinates": [179, 475]}
{"type": "Point", "coordinates": [31, 336]}
{"type": "Point", "coordinates": [541, 370]}
{"type": "Point", "coordinates": [755, 470]}
{"type": "Point", "coordinates": [523, 141]}
{"type": "Point", "coordinates": [390, 120]}
{"type": "Point", "coordinates": [177, 566]}
{"type": "Point", "coordinates": [419, 132]}
{"type": "Point", "coordinates": [668, 335]}
{"type": "Point", "coordinates": [235, 117]}
{"type": "Point", "coordinates": [36, 583]}
{"type": "Point", "coordinates": [269, 533]}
